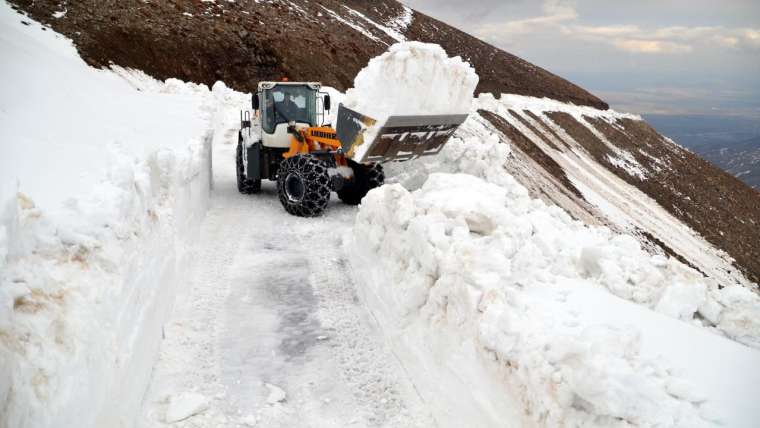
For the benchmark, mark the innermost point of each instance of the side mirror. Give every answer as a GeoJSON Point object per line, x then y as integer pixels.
{"type": "Point", "coordinates": [327, 101]}
{"type": "Point", "coordinates": [255, 101]}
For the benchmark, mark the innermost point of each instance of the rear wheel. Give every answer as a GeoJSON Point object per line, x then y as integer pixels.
{"type": "Point", "coordinates": [245, 185]}
{"type": "Point", "coordinates": [303, 185]}
{"type": "Point", "coordinates": [366, 178]}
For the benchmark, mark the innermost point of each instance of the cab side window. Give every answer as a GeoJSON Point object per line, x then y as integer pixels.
{"type": "Point", "coordinates": [267, 112]}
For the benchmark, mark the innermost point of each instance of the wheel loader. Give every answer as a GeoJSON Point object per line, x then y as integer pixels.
{"type": "Point", "coordinates": [287, 140]}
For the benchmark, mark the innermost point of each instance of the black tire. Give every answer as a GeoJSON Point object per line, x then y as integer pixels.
{"type": "Point", "coordinates": [376, 176]}
{"type": "Point", "coordinates": [245, 185]}
{"type": "Point", "coordinates": [366, 178]}
{"type": "Point", "coordinates": [303, 185]}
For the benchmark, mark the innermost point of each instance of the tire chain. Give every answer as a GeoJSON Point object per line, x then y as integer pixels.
{"type": "Point", "coordinates": [316, 183]}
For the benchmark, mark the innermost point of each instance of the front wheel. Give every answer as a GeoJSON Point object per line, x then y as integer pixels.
{"type": "Point", "coordinates": [303, 185]}
{"type": "Point", "coordinates": [366, 178]}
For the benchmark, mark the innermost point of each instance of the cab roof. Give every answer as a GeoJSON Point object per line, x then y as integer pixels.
{"type": "Point", "coordinates": [271, 84]}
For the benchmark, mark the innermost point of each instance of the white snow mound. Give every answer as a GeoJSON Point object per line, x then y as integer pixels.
{"type": "Point", "coordinates": [481, 287]}
{"type": "Point", "coordinates": [276, 394]}
{"type": "Point", "coordinates": [413, 78]}
{"type": "Point", "coordinates": [184, 406]}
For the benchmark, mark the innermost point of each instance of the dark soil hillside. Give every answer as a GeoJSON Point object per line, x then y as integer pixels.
{"type": "Point", "coordinates": [245, 41]}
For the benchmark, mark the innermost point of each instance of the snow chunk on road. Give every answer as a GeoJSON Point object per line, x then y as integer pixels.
{"type": "Point", "coordinates": [491, 290]}
{"type": "Point", "coordinates": [276, 394]}
{"type": "Point", "coordinates": [184, 406]}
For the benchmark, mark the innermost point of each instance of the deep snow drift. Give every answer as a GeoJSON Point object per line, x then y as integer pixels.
{"type": "Point", "coordinates": [102, 188]}
{"type": "Point", "coordinates": [411, 78]}
{"type": "Point", "coordinates": [479, 285]}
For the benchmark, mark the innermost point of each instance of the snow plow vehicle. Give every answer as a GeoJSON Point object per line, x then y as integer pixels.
{"type": "Point", "coordinates": [287, 140]}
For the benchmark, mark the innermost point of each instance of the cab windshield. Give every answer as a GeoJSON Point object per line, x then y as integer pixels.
{"type": "Point", "coordinates": [286, 103]}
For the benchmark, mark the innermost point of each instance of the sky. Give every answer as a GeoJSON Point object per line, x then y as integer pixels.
{"type": "Point", "coordinates": [642, 56]}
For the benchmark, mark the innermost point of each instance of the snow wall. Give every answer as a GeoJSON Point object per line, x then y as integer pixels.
{"type": "Point", "coordinates": [83, 326]}
{"type": "Point", "coordinates": [480, 288]}
{"type": "Point", "coordinates": [99, 208]}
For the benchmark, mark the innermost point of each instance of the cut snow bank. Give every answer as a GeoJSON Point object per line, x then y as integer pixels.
{"type": "Point", "coordinates": [102, 188]}
{"type": "Point", "coordinates": [411, 78]}
{"type": "Point", "coordinates": [480, 287]}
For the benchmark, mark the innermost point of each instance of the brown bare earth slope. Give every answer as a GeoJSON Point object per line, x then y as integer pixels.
{"type": "Point", "coordinates": [245, 41]}
{"type": "Point", "coordinates": [717, 205]}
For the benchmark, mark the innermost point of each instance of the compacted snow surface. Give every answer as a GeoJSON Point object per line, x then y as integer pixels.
{"type": "Point", "coordinates": [268, 330]}
{"type": "Point", "coordinates": [449, 298]}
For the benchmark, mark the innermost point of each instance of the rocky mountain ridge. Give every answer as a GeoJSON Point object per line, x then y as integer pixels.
{"type": "Point", "coordinates": [245, 41]}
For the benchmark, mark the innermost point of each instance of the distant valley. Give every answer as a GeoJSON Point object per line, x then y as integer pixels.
{"type": "Point", "coordinates": [731, 143]}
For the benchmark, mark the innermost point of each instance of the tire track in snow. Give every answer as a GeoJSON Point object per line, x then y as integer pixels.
{"type": "Point", "coordinates": [380, 383]}
{"type": "Point", "coordinates": [269, 301]}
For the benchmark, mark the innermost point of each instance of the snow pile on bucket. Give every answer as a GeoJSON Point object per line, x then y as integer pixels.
{"type": "Point", "coordinates": [411, 78]}
{"type": "Point", "coordinates": [480, 286]}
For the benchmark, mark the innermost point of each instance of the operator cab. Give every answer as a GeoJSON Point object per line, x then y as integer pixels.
{"type": "Point", "coordinates": [284, 103]}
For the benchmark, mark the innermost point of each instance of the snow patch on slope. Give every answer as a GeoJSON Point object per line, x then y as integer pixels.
{"type": "Point", "coordinates": [403, 21]}
{"type": "Point", "coordinates": [368, 34]}
{"type": "Point", "coordinates": [624, 206]}
{"type": "Point", "coordinates": [389, 31]}
{"type": "Point", "coordinates": [539, 106]}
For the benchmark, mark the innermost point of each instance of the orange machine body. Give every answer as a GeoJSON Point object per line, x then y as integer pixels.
{"type": "Point", "coordinates": [314, 139]}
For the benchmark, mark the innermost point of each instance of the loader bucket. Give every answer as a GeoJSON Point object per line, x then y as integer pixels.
{"type": "Point", "coordinates": [400, 138]}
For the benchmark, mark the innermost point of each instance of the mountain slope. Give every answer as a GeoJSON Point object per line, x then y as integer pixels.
{"type": "Point", "coordinates": [328, 40]}
{"type": "Point", "coordinates": [246, 41]}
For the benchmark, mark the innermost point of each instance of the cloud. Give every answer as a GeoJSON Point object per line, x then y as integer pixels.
{"type": "Point", "coordinates": [560, 19]}
{"type": "Point", "coordinates": [556, 12]}
{"type": "Point", "coordinates": [684, 101]}
{"type": "Point", "coordinates": [559, 8]}
{"type": "Point", "coordinates": [677, 40]}
{"type": "Point", "coordinates": [751, 38]}
{"type": "Point", "coordinates": [605, 31]}
{"type": "Point", "coordinates": [650, 46]}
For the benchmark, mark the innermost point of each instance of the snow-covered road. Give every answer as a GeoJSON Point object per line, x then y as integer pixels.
{"type": "Point", "coordinates": [268, 330]}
